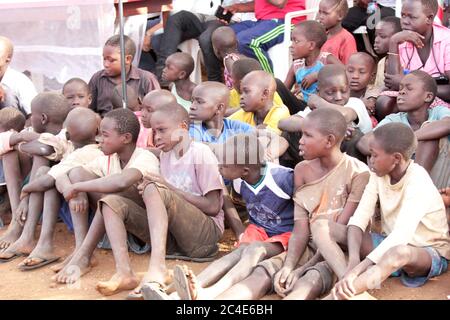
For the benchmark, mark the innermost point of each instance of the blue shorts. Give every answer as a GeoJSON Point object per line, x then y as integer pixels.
{"type": "Point", "coordinates": [66, 217]}
{"type": "Point", "coordinates": [438, 265]}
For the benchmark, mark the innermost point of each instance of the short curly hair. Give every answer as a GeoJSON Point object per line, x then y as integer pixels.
{"type": "Point", "coordinates": [126, 122]}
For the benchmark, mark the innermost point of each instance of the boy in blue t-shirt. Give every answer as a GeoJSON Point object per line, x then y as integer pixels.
{"type": "Point", "coordinates": [267, 189]}
{"type": "Point", "coordinates": [208, 124]}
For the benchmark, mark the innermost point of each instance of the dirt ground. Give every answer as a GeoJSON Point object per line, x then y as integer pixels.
{"type": "Point", "coordinates": [36, 285]}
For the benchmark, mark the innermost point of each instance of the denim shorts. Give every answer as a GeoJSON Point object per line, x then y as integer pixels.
{"type": "Point", "coordinates": [438, 265]}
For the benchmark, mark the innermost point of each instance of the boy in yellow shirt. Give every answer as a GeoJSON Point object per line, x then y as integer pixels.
{"type": "Point", "coordinates": [257, 102]}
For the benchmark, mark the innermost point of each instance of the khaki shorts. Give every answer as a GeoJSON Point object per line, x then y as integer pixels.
{"type": "Point", "coordinates": [191, 232]}
{"type": "Point", "coordinates": [274, 264]}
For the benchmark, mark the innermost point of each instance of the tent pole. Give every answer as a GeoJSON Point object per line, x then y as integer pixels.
{"type": "Point", "coordinates": [122, 56]}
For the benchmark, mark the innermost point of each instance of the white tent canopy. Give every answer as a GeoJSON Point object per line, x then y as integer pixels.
{"type": "Point", "coordinates": [57, 39]}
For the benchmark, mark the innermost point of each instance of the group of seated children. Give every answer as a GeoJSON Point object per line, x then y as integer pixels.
{"type": "Point", "coordinates": [314, 161]}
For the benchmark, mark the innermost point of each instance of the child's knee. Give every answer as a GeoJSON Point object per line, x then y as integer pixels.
{"type": "Point", "coordinates": [398, 256]}
{"type": "Point", "coordinates": [78, 174]}
{"type": "Point", "coordinates": [42, 171]}
{"type": "Point", "coordinates": [150, 191]}
{"type": "Point", "coordinates": [311, 278]}
{"type": "Point", "coordinates": [260, 275]}
{"type": "Point", "coordinates": [254, 250]}
{"type": "Point", "coordinates": [320, 229]}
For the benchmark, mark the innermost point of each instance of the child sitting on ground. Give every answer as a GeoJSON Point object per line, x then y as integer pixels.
{"type": "Point", "coordinates": [414, 241]}
{"type": "Point", "coordinates": [82, 128]}
{"type": "Point", "coordinates": [267, 190]}
{"type": "Point", "coordinates": [328, 187]}
{"type": "Point", "coordinates": [102, 83]}
{"type": "Point", "coordinates": [431, 126]}
{"type": "Point", "coordinates": [225, 45]}
{"type": "Point", "coordinates": [77, 92]}
{"type": "Point", "coordinates": [47, 143]}
{"type": "Point", "coordinates": [182, 214]}
{"type": "Point", "coordinates": [340, 43]}
{"type": "Point", "coordinates": [360, 73]}
{"type": "Point", "coordinates": [334, 92]}
{"type": "Point", "coordinates": [11, 120]}
{"type": "Point", "coordinates": [179, 67]}
{"type": "Point", "coordinates": [118, 171]}
{"type": "Point", "coordinates": [257, 102]}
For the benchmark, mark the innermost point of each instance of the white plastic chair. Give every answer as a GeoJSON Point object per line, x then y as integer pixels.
{"type": "Point", "coordinates": [280, 53]}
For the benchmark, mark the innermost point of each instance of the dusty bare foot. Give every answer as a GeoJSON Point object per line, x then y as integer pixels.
{"type": "Point", "coordinates": [117, 284]}
{"type": "Point", "coordinates": [150, 277]}
{"type": "Point", "coordinates": [12, 235]}
{"type": "Point", "coordinates": [363, 296]}
{"type": "Point", "coordinates": [186, 283]}
{"type": "Point", "coordinates": [17, 248]}
{"type": "Point", "coordinates": [58, 267]}
{"type": "Point", "coordinates": [39, 255]}
{"type": "Point", "coordinates": [73, 271]}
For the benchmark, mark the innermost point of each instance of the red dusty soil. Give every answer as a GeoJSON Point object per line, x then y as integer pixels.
{"type": "Point", "coordinates": [16, 284]}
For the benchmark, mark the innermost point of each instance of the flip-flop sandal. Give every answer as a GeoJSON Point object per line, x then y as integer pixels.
{"type": "Point", "coordinates": [154, 291]}
{"type": "Point", "coordinates": [14, 256]}
{"type": "Point", "coordinates": [181, 283]}
{"type": "Point", "coordinates": [135, 295]}
{"type": "Point", "coordinates": [43, 262]}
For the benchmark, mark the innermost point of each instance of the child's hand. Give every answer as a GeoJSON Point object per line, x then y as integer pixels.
{"type": "Point", "coordinates": [22, 212]}
{"type": "Point", "coordinates": [290, 282]}
{"type": "Point", "coordinates": [70, 192]}
{"type": "Point", "coordinates": [370, 105]}
{"type": "Point", "coordinates": [344, 289]}
{"type": "Point", "coordinates": [314, 101]}
{"type": "Point", "coordinates": [79, 204]}
{"type": "Point", "coordinates": [309, 80]}
{"type": "Point", "coordinates": [410, 36]}
{"type": "Point", "coordinates": [349, 133]}
{"type": "Point", "coordinates": [392, 81]}
{"type": "Point", "coordinates": [24, 193]}
{"type": "Point", "coordinates": [297, 91]}
{"type": "Point", "coordinates": [281, 278]}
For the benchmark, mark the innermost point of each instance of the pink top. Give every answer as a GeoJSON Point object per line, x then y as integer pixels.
{"type": "Point", "coordinates": [439, 60]}
{"type": "Point", "coordinates": [342, 45]}
{"type": "Point", "coordinates": [145, 138]}
{"type": "Point", "coordinates": [196, 172]}
{"type": "Point", "coordinates": [266, 11]}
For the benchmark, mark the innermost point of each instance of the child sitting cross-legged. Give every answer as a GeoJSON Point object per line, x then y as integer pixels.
{"type": "Point", "coordinates": [118, 171]}
{"type": "Point", "coordinates": [46, 142]}
{"type": "Point", "coordinates": [82, 128]}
